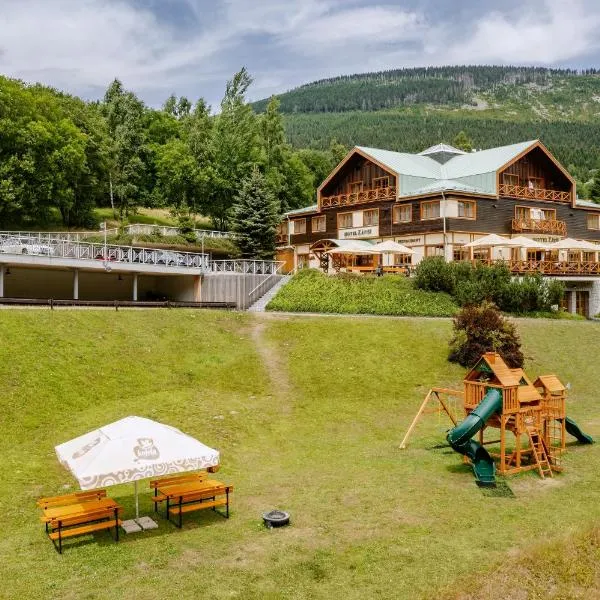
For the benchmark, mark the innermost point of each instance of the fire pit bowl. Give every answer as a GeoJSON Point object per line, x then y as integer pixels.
{"type": "Point", "coordinates": [276, 518]}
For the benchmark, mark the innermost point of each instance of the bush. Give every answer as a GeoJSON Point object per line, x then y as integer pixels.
{"type": "Point", "coordinates": [493, 283]}
{"type": "Point", "coordinates": [481, 329]}
{"type": "Point", "coordinates": [434, 274]}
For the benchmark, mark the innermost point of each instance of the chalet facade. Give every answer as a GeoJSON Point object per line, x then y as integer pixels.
{"type": "Point", "coordinates": [437, 201]}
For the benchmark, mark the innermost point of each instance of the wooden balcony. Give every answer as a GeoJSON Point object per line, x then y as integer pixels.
{"type": "Point", "coordinates": [548, 267]}
{"type": "Point", "coordinates": [364, 197]}
{"type": "Point", "coordinates": [518, 191]}
{"type": "Point", "coordinates": [281, 238]}
{"type": "Point", "coordinates": [549, 226]}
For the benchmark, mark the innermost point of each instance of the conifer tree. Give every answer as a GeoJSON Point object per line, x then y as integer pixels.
{"type": "Point", "coordinates": [255, 217]}
{"type": "Point", "coordinates": [595, 189]}
{"type": "Point", "coordinates": [463, 142]}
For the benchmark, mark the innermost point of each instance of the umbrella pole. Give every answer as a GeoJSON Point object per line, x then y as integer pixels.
{"type": "Point", "coordinates": [137, 501]}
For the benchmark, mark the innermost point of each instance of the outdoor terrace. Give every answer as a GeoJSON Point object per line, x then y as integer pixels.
{"type": "Point", "coordinates": [519, 191]}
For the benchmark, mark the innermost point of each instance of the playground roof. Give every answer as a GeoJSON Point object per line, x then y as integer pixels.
{"type": "Point", "coordinates": [550, 382]}
{"type": "Point", "coordinates": [503, 374]}
{"type": "Point", "coordinates": [526, 391]}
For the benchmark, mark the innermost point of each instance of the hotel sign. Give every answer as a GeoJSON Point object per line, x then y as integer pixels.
{"type": "Point", "coordinates": [357, 233]}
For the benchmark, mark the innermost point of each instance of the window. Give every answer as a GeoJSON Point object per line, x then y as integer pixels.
{"type": "Point", "coordinates": [589, 257]}
{"type": "Point", "coordinates": [593, 221]}
{"type": "Point", "coordinates": [430, 210]}
{"type": "Point", "coordinates": [381, 182]}
{"type": "Point", "coordinates": [466, 209]}
{"type": "Point", "coordinates": [402, 259]}
{"type": "Point", "coordinates": [319, 223]}
{"type": "Point", "coordinates": [460, 253]}
{"type": "Point", "coordinates": [299, 226]}
{"type": "Point", "coordinates": [437, 250]}
{"type": "Point", "coordinates": [356, 186]}
{"type": "Point", "coordinates": [370, 217]}
{"type": "Point", "coordinates": [402, 213]}
{"type": "Point", "coordinates": [344, 220]}
{"type": "Point", "coordinates": [510, 179]}
{"type": "Point", "coordinates": [481, 254]}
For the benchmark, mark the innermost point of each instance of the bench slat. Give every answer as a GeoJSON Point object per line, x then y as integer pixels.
{"type": "Point", "coordinates": [71, 498]}
{"type": "Point", "coordinates": [64, 533]}
{"type": "Point", "coordinates": [185, 508]}
{"type": "Point", "coordinates": [177, 479]}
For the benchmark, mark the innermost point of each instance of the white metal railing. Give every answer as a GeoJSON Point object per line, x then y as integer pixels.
{"type": "Point", "coordinates": [253, 267]}
{"type": "Point", "coordinates": [63, 248]}
{"type": "Point", "coordinates": [47, 236]}
{"type": "Point", "coordinates": [142, 229]}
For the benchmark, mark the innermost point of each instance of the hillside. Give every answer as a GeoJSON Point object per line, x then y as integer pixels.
{"type": "Point", "coordinates": [410, 109]}
{"type": "Point", "coordinates": [308, 414]}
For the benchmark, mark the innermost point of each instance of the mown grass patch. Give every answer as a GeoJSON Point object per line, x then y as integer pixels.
{"type": "Point", "coordinates": [312, 291]}
{"type": "Point", "coordinates": [368, 520]}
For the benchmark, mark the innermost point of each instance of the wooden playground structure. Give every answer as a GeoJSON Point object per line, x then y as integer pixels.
{"type": "Point", "coordinates": [531, 419]}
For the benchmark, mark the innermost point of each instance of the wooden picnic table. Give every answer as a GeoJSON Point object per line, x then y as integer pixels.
{"type": "Point", "coordinates": [195, 495]}
{"type": "Point", "coordinates": [79, 508]}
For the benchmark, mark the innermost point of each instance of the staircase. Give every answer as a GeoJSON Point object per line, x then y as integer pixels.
{"type": "Point", "coordinates": [540, 453]}
{"type": "Point", "coordinates": [261, 303]}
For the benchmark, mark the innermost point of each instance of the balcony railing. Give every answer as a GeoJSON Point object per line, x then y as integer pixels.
{"type": "Point", "coordinates": [550, 226]}
{"type": "Point", "coordinates": [364, 197]}
{"type": "Point", "coordinates": [548, 267]}
{"type": "Point", "coordinates": [519, 191]}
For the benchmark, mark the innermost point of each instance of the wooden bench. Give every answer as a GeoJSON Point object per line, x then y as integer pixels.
{"type": "Point", "coordinates": [84, 523]}
{"type": "Point", "coordinates": [201, 500]}
{"type": "Point", "coordinates": [74, 498]}
{"type": "Point", "coordinates": [165, 482]}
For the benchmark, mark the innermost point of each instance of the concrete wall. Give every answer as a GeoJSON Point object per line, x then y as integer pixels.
{"type": "Point", "coordinates": [236, 287]}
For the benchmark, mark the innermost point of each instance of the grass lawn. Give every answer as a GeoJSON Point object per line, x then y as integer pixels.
{"type": "Point", "coordinates": [312, 291]}
{"type": "Point", "coordinates": [308, 414]}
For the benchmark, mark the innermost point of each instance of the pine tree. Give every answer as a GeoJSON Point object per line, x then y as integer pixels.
{"type": "Point", "coordinates": [255, 217]}
{"type": "Point", "coordinates": [595, 189]}
{"type": "Point", "coordinates": [463, 142]}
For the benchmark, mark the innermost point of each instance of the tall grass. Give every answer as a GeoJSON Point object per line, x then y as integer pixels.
{"type": "Point", "coordinates": [312, 291]}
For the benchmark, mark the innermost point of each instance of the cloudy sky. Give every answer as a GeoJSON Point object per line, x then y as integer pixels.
{"type": "Point", "coordinates": [191, 47]}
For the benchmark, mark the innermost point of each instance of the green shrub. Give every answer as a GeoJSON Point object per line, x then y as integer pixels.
{"type": "Point", "coordinates": [434, 274]}
{"type": "Point", "coordinates": [481, 329]}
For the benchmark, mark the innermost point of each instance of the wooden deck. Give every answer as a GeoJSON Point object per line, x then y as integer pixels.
{"type": "Point", "coordinates": [549, 226]}
{"type": "Point", "coordinates": [518, 191]}
{"type": "Point", "coordinates": [549, 267]}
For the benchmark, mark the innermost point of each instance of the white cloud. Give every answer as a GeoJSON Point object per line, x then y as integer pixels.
{"type": "Point", "coordinates": [80, 45]}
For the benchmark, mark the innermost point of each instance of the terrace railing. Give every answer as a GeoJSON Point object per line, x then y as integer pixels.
{"type": "Point", "coordinates": [519, 191]}
{"type": "Point", "coordinates": [549, 267]}
{"type": "Point", "coordinates": [386, 193]}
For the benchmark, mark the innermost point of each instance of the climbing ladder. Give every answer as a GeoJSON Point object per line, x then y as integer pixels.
{"type": "Point", "coordinates": [540, 454]}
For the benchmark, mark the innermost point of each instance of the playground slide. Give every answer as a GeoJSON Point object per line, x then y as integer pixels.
{"type": "Point", "coordinates": [574, 430]}
{"type": "Point", "coordinates": [460, 437]}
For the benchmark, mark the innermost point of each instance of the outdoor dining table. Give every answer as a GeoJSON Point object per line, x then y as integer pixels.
{"type": "Point", "coordinates": [193, 491]}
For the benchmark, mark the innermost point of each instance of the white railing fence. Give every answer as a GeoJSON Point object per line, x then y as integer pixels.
{"type": "Point", "coordinates": [62, 248]}
{"type": "Point", "coordinates": [142, 229]}
{"type": "Point", "coordinates": [250, 267]}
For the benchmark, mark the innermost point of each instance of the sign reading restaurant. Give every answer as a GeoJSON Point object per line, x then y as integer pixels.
{"type": "Point", "coordinates": [358, 233]}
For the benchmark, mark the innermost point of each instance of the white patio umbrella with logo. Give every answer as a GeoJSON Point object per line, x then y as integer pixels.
{"type": "Point", "coordinates": [131, 449]}
{"type": "Point", "coordinates": [571, 244]}
{"type": "Point", "coordinates": [490, 241]}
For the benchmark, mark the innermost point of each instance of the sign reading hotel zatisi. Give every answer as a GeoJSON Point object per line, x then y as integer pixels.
{"type": "Point", "coordinates": [358, 232]}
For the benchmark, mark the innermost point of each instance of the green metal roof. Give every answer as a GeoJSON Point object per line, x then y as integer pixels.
{"type": "Point", "coordinates": [470, 171]}
{"type": "Point", "coordinates": [301, 211]}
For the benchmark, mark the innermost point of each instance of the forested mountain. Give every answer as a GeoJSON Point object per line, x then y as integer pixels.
{"type": "Point", "coordinates": [411, 109]}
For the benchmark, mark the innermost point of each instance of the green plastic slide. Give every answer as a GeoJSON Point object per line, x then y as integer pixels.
{"type": "Point", "coordinates": [460, 438]}
{"type": "Point", "coordinates": [576, 432]}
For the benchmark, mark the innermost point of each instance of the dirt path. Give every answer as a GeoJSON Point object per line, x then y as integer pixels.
{"type": "Point", "coordinates": [274, 363]}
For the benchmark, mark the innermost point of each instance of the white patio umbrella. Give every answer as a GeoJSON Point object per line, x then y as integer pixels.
{"type": "Point", "coordinates": [391, 247]}
{"type": "Point", "coordinates": [571, 244]}
{"type": "Point", "coordinates": [131, 449]}
{"type": "Point", "coordinates": [490, 241]}
{"type": "Point", "coordinates": [525, 242]}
